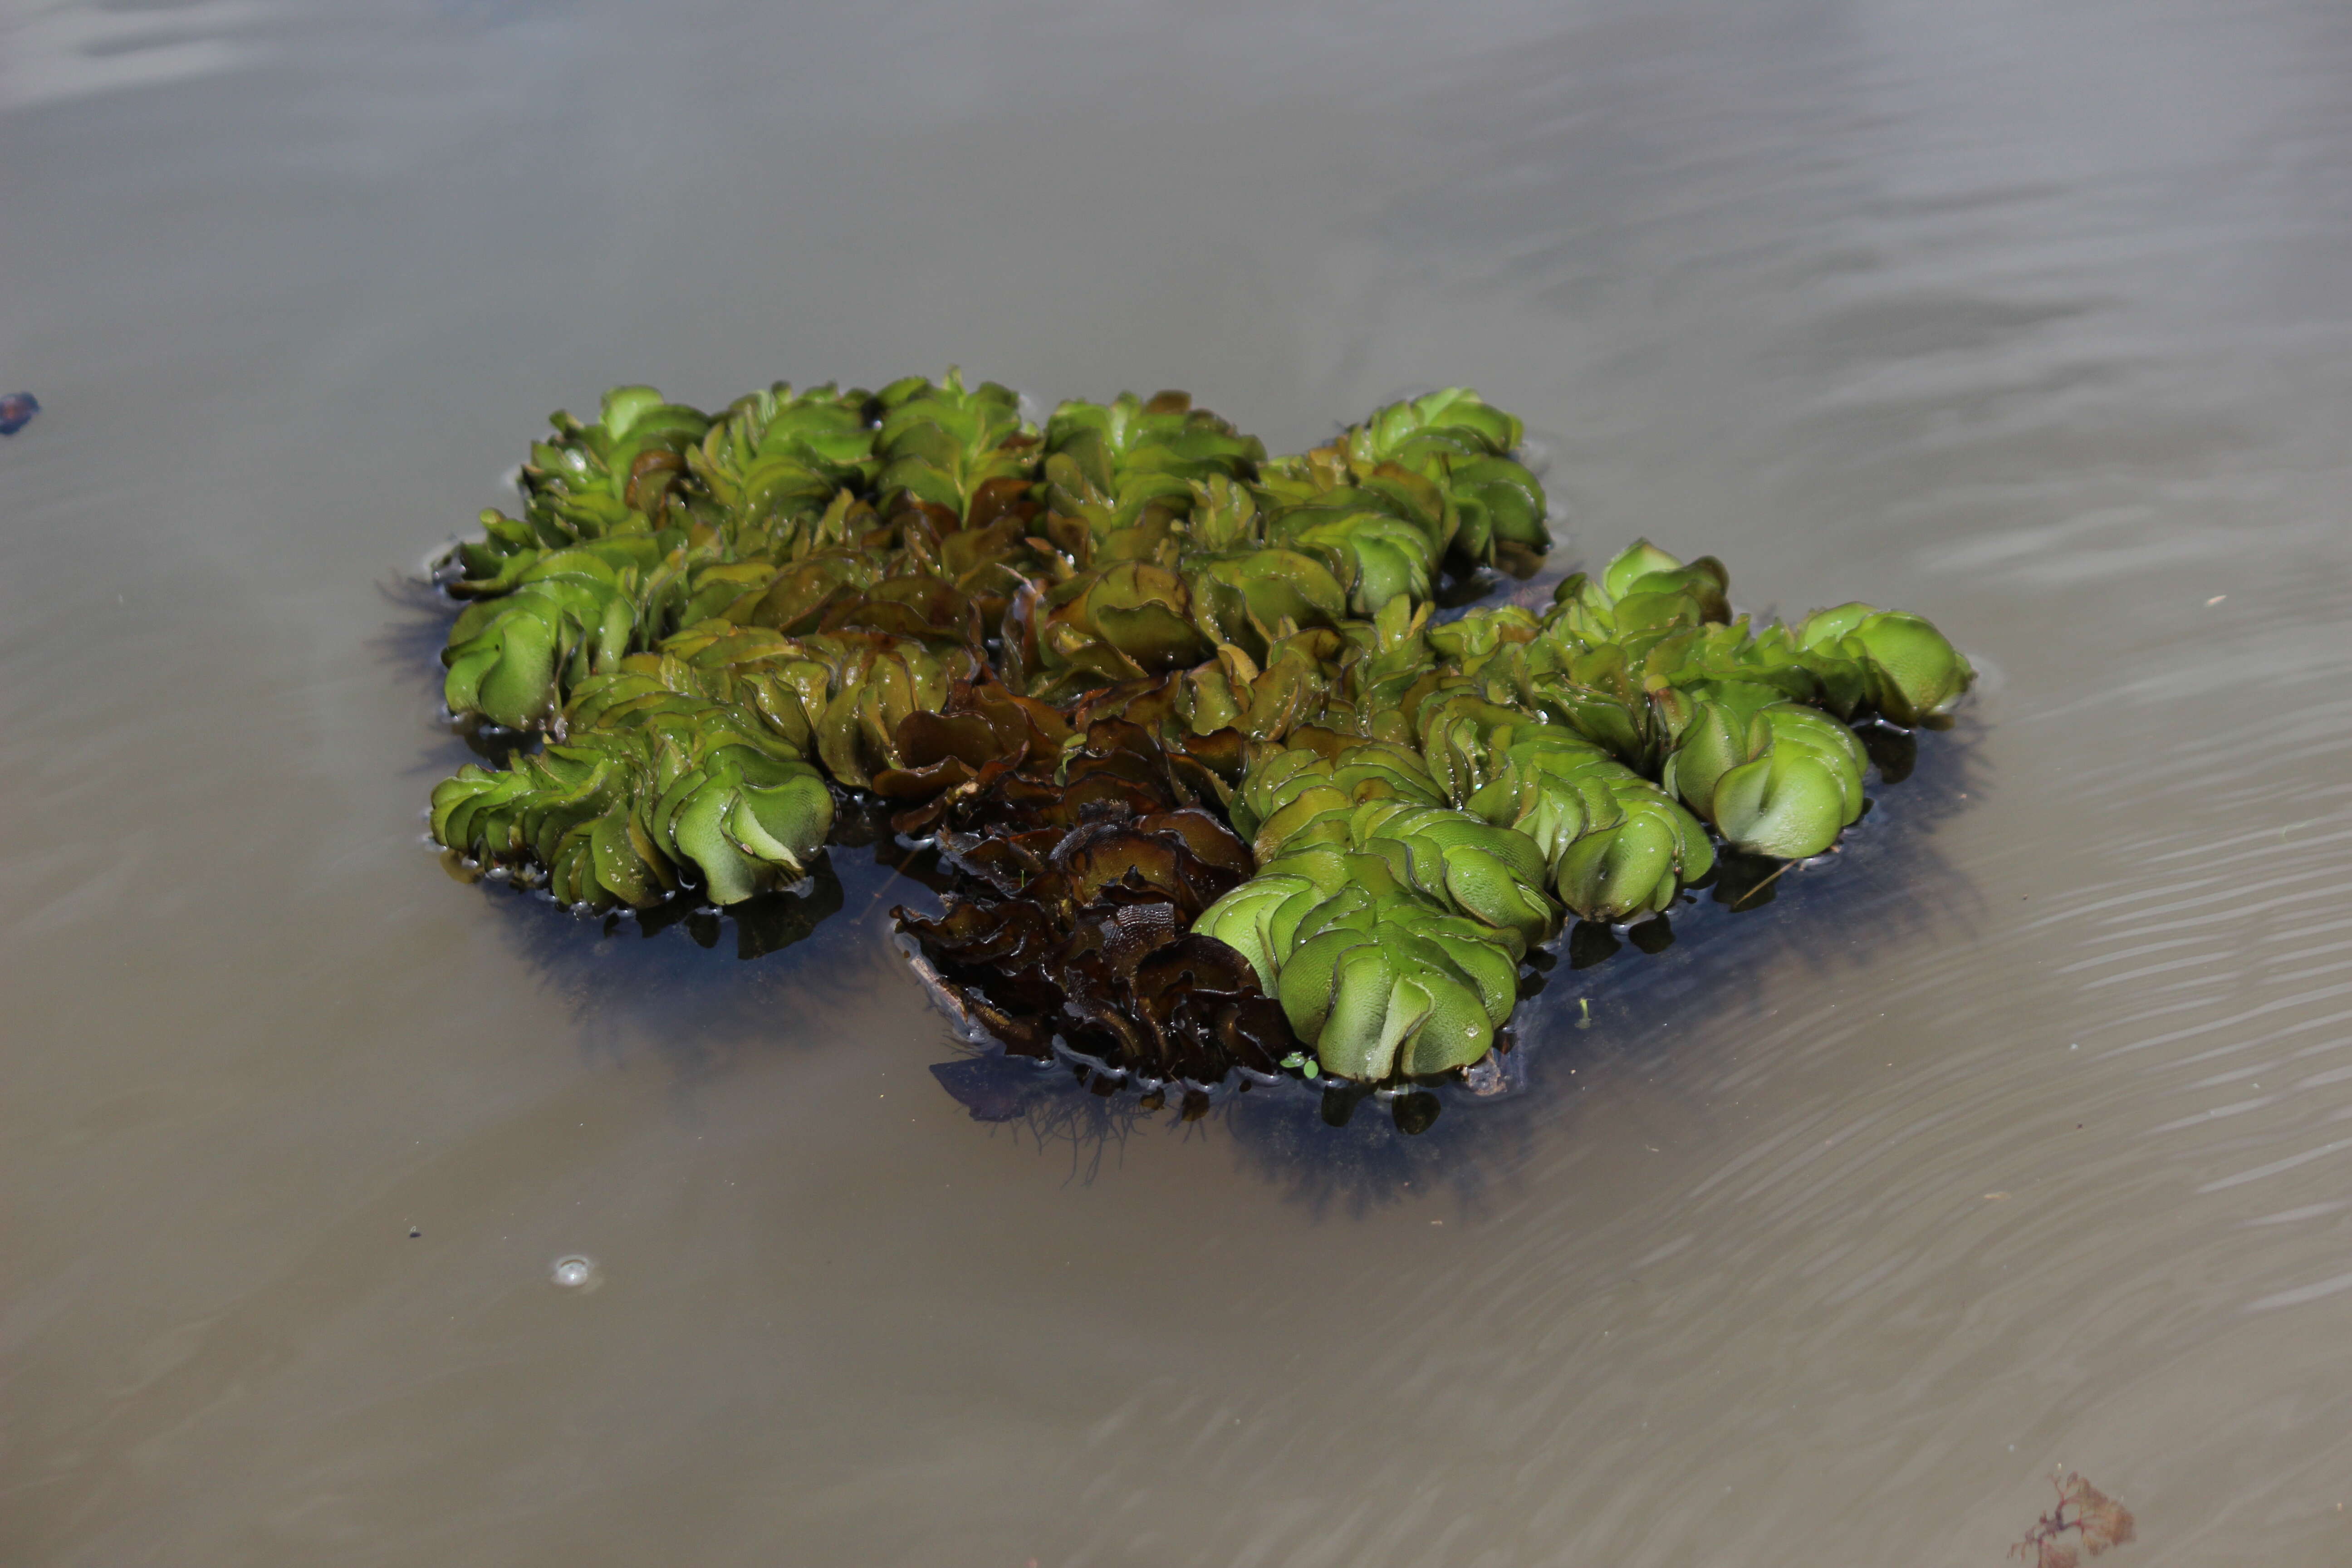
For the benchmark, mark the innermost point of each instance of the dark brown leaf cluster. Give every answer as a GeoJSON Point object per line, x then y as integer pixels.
{"type": "Point", "coordinates": [2096, 1521]}
{"type": "Point", "coordinates": [1088, 847]}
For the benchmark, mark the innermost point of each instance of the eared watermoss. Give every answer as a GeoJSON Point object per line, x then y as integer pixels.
{"type": "Point", "coordinates": [1220, 795]}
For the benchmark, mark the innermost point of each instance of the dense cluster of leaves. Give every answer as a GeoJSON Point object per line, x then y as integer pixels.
{"type": "Point", "coordinates": [1092, 846]}
{"type": "Point", "coordinates": [1221, 792]}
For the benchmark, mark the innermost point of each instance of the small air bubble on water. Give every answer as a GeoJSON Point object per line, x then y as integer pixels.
{"type": "Point", "coordinates": [575, 1273]}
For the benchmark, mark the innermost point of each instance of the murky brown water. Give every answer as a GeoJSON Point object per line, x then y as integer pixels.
{"type": "Point", "coordinates": [2020, 1135]}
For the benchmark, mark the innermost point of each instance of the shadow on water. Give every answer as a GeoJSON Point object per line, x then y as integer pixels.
{"type": "Point", "coordinates": [412, 637]}
{"type": "Point", "coordinates": [704, 982]}
{"type": "Point", "coordinates": [699, 983]}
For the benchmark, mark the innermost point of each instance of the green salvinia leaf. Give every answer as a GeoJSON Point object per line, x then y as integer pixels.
{"type": "Point", "coordinates": [1263, 705]}
{"type": "Point", "coordinates": [1098, 514]}
{"type": "Point", "coordinates": [1910, 673]}
{"type": "Point", "coordinates": [1501, 500]}
{"type": "Point", "coordinates": [1615, 845]}
{"type": "Point", "coordinates": [940, 444]}
{"type": "Point", "coordinates": [1130, 619]}
{"type": "Point", "coordinates": [1636, 866]}
{"type": "Point", "coordinates": [1643, 589]}
{"type": "Point", "coordinates": [784, 455]}
{"type": "Point", "coordinates": [1788, 804]}
{"type": "Point", "coordinates": [1363, 872]}
{"type": "Point", "coordinates": [1377, 554]}
{"type": "Point", "coordinates": [745, 820]}
{"type": "Point", "coordinates": [1361, 1001]}
{"type": "Point", "coordinates": [492, 565]}
{"type": "Point", "coordinates": [1454, 423]}
{"type": "Point", "coordinates": [622, 815]}
{"type": "Point", "coordinates": [1795, 798]}
{"type": "Point", "coordinates": [511, 660]}
{"type": "Point", "coordinates": [1244, 594]}
{"type": "Point", "coordinates": [1395, 989]}
{"type": "Point", "coordinates": [1717, 726]}
{"type": "Point", "coordinates": [703, 747]}
{"type": "Point", "coordinates": [1164, 436]}
{"type": "Point", "coordinates": [615, 474]}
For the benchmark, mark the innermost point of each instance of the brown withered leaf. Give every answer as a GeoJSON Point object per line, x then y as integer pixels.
{"type": "Point", "coordinates": [2097, 1521]}
{"type": "Point", "coordinates": [928, 740]}
{"type": "Point", "coordinates": [804, 592]}
{"type": "Point", "coordinates": [983, 733]}
{"type": "Point", "coordinates": [2103, 1521]}
{"type": "Point", "coordinates": [922, 609]}
{"type": "Point", "coordinates": [1083, 866]}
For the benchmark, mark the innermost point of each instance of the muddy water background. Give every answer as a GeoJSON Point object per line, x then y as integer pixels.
{"type": "Point", "coordinates": [2019, 1135]}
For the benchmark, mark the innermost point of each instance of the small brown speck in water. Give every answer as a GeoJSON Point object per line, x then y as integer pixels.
{"type": "Point", "coordinates": [2097, 1521]}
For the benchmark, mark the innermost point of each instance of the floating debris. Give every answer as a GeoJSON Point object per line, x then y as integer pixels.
{"type": "Point", "coordinates": [2098, 1522]}
{"type": "Point", "coordinates": [576, 1272]}
{"type": "Point", "coordinates": [16, 411]}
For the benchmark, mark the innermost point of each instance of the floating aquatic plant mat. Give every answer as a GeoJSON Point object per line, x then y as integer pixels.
{"type": "Point", "coordinates": [1219, 792]}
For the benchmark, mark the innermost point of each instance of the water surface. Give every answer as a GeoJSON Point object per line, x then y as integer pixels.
{"type": "Point", "coordinates": [2018, 1136]}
